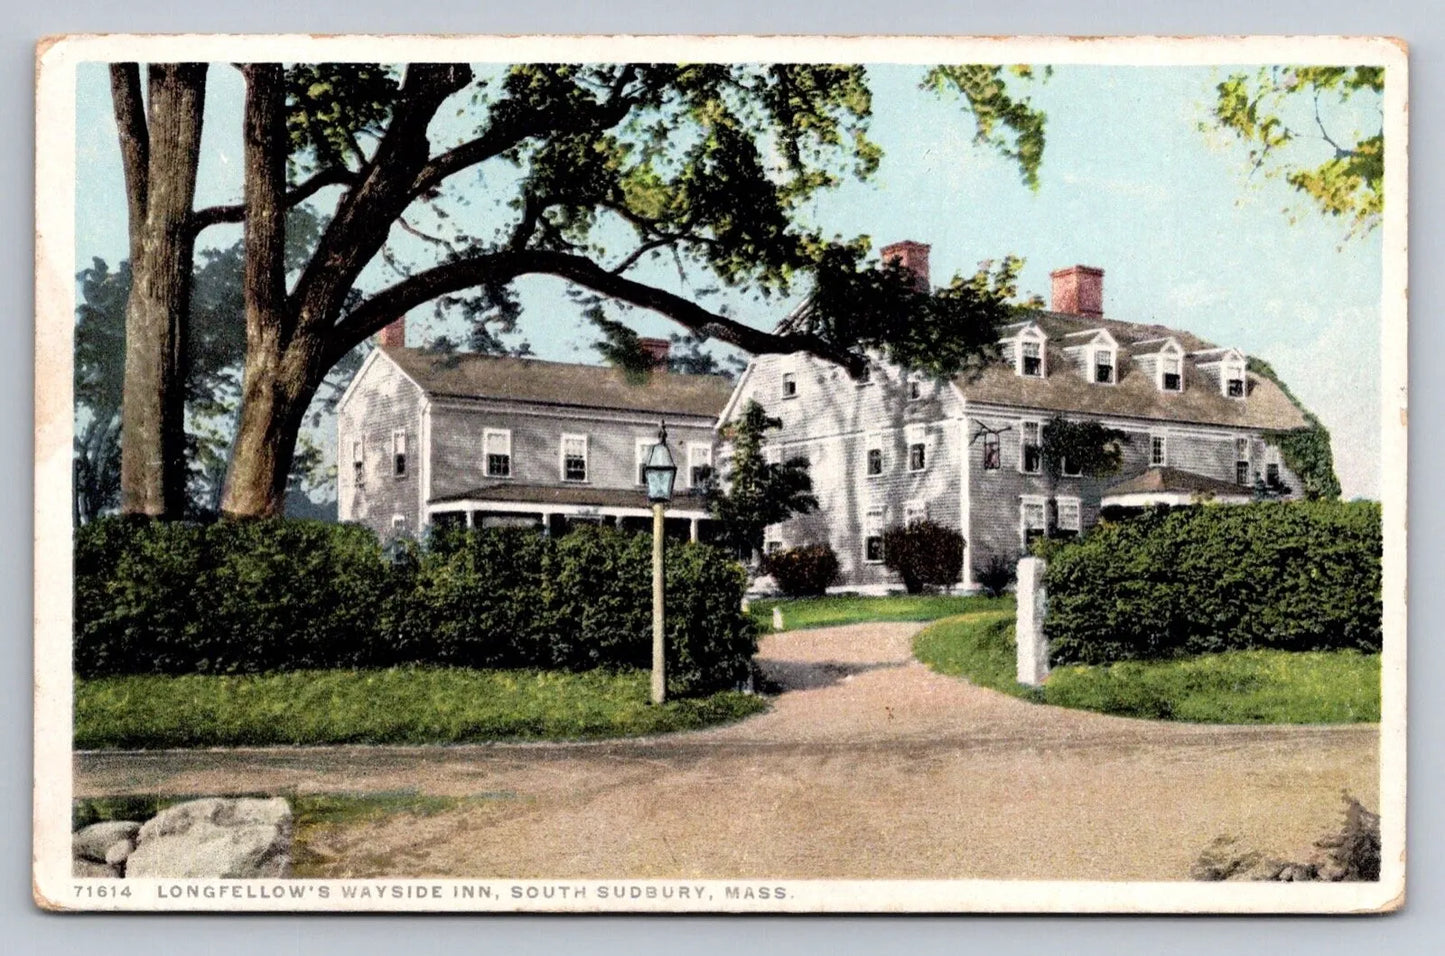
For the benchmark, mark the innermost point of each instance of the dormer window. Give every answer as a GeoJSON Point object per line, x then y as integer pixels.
{"type": "Point", "coordinates": [1171, 378]}
{"type": "Point", "coordinates": [1233, 379]}
{"type": "Point", "coordinates": [1031, 361]}
{"type": "Point", "coordinates": [1104, 366]}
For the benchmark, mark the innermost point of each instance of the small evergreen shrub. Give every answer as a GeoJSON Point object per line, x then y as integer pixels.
{"type": "Point", "coordinates": [925, 554]}
{"type": "Point", "coordinates": [1295, 576]}
{"type": "Point", "coordinates": [802, 572]}
{"type": "Point", "coordinates": [995, 575]}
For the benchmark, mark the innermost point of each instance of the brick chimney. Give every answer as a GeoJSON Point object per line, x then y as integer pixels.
{"type": "Point", "coordinates": [912, 256]}
{"type": "Point", "coordinates": [1079, 290]}
{"type": "Point", "coordinates": [394, 335]}
{"type": "Point", "coordinates": [657, 349]}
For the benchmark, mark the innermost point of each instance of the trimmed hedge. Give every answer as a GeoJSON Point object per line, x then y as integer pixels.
{"type": "Point", "coordinates": [264, 596]}
{"type": "Point", "coordinates": [1299, 576]}
{"type": "Point", "coordinates": [925, 554]}
{"type": "Point", "coordinates": [807, 571]}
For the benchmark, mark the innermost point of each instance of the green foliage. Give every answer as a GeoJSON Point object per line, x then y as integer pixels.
{"type": "Point", "coordinates": [1281, 112]}
{"type": "Point", "coordinates": [802, 572]}
{"type": "Point", "coordinates": [1233, 687]}
{"type": "Point", "coordinates": [1010, 125]}
{"type": "Point", "coordinates": [405, 705]}
{"type": "Point", "coordinates": [263, 596]}
{"type": "Point", "coordinates": [1087, 447]}
{"type": "Point", "coordinates": [925, 554]}
{"type": "Point", "coordinates": [332, 108]}
{"type": "Point", "coordinates": [995, 575]}
{"type": "Point", "coordinates": [1279, 575]}
{"type": "Point", "coordinates": [851, 609]}
{"type": "Point", "coordinates": [755, 493]}
{"type": "Point", "coordinates": [1305, 451]}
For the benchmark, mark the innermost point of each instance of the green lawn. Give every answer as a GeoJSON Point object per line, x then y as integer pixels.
{"type": "Point", "coordinates": [1236, 687]}
{"type": "Point", "coordinates": [397, 706]}
{"type": "Point", "coordinates": [850, 609]}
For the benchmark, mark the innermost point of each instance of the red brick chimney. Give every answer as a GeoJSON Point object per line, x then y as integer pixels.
{"type": "Point", "coordinates": [394, 335]}
{"type": "Point", "coordinates": [657, 349]}
{"type": "Point", "coordinates": [912, 256]}
{"type": "Point", "coordinates": [1079, 290]}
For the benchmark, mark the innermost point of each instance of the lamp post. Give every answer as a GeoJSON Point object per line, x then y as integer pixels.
{"type": "Point", "coordinates": [659, 471]}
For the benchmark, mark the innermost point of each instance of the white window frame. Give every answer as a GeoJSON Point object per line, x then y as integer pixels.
{"type": "Point", "coordinates": [1168, 354]}
{"type": "Point", "coordinates": [917, 435]}
{"type": "Point", "coordinates": [1272, 460]}
{"type": "Point", "coordinates": [586, 458]}
{"type": "Point", "coordinates": [1163, 441]}
{"type": "Point", "coordinates": [874, 443]}
{"type": "Point", "coordinates": [699, 454]}
{"type": "Point", "coordinates": [1023, 434]}
{"type": "Point", "coordinates": [398, 522]}
{"type": "Point", "coordinates": [915, 511]}
{"type": "Point", "coordinates": [1112, 354]}
{"type": "Point", "coordinates": [790, 385]}
{"type": "Point", "coordinates": [873, 523]}
{"type": "Point", "coordinates": [772, 538]}
{"type": "Point", "coordinates": [1233, 369]}
{"type": "Point", "coordinates": [1078, 508]}
{"type": "Point", "coordinates": [358, 459]}
{"type": "Point", "coordinates": [643, 446]}
{"type": "Point", "coordinates": [505, 434]}
{"type": "Point", "coordinates": [915, 387]}
{"type": "Point", "coordinates": [398, 453]}
{"type": "Point", "coordinates": [1031, 337]}
{"type": "Point", "coordinates": [1025, 503]}
{"type": "Point", "coordinates": [1246, 458]}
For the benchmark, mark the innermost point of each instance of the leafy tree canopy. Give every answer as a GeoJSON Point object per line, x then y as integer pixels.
{"type": "Point", "coordinates": [754, 492]}
{"type": "Point", "coordinates": [1288, 117]}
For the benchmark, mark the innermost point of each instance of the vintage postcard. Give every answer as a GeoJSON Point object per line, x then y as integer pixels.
{"type": "Point", "coordinates": [720, 474]}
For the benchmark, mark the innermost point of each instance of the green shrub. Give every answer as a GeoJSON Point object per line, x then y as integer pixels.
{"type": "Point", "coordinates": [249, 597]}
{"type": "Point", "coordinates": [924, 554]}
{"type": "Point", "coordinates": [802, 572]}
{"type": "Point", "coordinates": [1278, 575]}
{"type": "Point", "coordinates": [995, 575]}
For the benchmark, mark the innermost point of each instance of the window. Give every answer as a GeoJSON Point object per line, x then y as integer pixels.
{"type": "Point", "coordinates": [1032, 362]}
{"type": "Point", "coordinates": [772, 539]}
{"type": "Point", "coordinates": [915, 511]}
{"type": "Point", "coordinates": [790, 385]}
{"type": "Point", "coordinates": [699, 464]}
{"type": "Point", "coordinates": [398, 453]}
{"type": "Point", "coordinates": [1069, 517]}
{"type": "Point", "coordinates": [1031, 519]}
{"type": "Point", "coordinates": [866, 378]}
{"type": "Point", "coordinates": [915, 388]}
{"type": "Point", "coordinates": [1158, 452]}
{"type": "Point", "coordinates": [644, 446]}
{"type": "Point", "coordinates": [1241, 461]}
{"type": "Point", "coordinates": [1030, 452]}
{"type": "Point", "coordinates": [1234, 379]}
{"type": "Point", "coordinates": [917, 438]}
{"type": "Point", "coordinates": [1271, 466]}
{"type": "Point", "coordinates": [875, 456]}
{"type": "Point", "coordinates": [398, 522]}
{"type": "Point", "coordinates": [991, 454]}
{"type": "Point", "coordinates": [574, 457]}
{"type": "Point", "coordinates": [1170, 379]}
{"type": "Point", "coordinates": [873, 536]}
{"type": "Point", "coordinates": [1070, 469]}
{"type": "Point", "coordinates": [358, 463]}
{"type": "Point", "coordinates": [497, 447]}
{"type": "Point", "coordinates": [1104, 366]}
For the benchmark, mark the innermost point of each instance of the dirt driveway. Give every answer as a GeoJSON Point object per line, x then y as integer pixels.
{"type": "Point", "coordinates": [868, 766]}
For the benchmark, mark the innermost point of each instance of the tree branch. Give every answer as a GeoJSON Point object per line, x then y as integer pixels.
{"type": "Point", "coordinates": [332, 176]}
{"type": "Point", "coordinates": [501, 267]}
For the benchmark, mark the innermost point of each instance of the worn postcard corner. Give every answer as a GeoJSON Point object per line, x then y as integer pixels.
{"type": "Point", "coordinates": [725, 474]}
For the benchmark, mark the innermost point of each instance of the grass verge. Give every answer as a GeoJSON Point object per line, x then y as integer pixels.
{"type": "Point", "coordinates": [412, 705]}
{"type": "Point", "coordinates": [801, 613]}
{"type": "Point", "coordinates": [1236, 687]}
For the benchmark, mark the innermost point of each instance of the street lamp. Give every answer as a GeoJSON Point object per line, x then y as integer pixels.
{"type": "Point", "coordinates": [659, 471]}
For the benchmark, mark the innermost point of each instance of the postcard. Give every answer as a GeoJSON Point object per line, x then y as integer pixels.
{"type": "Point", "coordinates": [720, 474]}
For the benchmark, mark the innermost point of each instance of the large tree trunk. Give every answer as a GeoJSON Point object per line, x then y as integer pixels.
{"type": "Point", "coordinates": [160, 155]}
{"type": "Point", "coordinates": [275, 396]}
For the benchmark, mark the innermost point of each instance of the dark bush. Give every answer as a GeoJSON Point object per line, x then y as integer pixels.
{"type": "Point", "coordinates": [925, 554]}
{"type": "Point", "coordinates": [243, 597]}
{"type": "Point", "coordinates": [1281, 575]}
{"type": "Point", "coordinates": [802, 572]}
{"type": "Point", "coordinates": [995, 575]}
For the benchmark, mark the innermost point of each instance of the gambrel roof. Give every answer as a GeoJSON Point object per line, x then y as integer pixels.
{"type": "Point", "coordinates": [470, 375]}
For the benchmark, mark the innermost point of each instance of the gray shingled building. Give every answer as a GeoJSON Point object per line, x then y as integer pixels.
{"type": "Point", "coordinates": [967, 453]}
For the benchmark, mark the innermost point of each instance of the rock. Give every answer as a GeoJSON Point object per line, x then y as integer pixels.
{"type": "Point", "coordinates": [88, 869]}
{"type": "Point", "coordinates": [119, 851]}
{"type": "Point", "coordinates": [215, 838]}
{"type": "Point", "coordinates": [93, 842]}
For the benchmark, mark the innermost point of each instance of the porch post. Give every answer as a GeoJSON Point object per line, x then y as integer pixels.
{"type": "Point", "coordinates": [692, 531]}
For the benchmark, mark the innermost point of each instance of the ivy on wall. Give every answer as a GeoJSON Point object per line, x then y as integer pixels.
{"type": "Point", "coordinates": [1088, 447]}
{"type": "Point", "coordinates": [1304, 451]}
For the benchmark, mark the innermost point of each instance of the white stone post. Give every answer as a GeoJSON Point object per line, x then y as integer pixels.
{"type": "Point", "coordinates": [777, 619]}
{"type": "Point", "coordinates": [1033, 646]}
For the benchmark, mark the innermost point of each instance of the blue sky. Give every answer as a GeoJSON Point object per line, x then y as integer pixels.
{"type": "Point", "coordinates": [1129, 183]}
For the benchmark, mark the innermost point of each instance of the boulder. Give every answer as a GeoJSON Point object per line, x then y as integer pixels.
{"type": "Point", "coordinates": [215, 838]}
{"type": "Point", "coordinates": [119, 852]}
{"type": "Point", "coordinates": [94, 842]}
{"type": "Point", "coordinates": [89, 869]}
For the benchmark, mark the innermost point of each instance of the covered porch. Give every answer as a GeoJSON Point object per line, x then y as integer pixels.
{"type": "Point", "coordinates": [1170, 487]}
{"type": "Point", "coordinates": [555, 510]}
